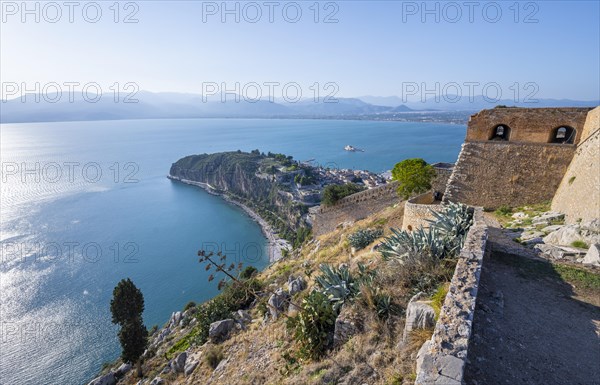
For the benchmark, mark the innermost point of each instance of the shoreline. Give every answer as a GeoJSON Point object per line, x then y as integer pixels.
{"type": "Point", "coordinates": [275, 245]}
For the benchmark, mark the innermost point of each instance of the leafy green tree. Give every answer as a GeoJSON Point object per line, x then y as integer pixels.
{"type": "Point", "coordinates": [414, 176]}
{"type": "Point", "coordinates": [133, 336]}
{"type": "Point", "coordinates": [127, 302]}
{"type": "Point", "coordinates": [127, 306]}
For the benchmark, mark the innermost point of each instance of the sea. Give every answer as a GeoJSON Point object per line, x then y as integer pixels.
{"type": "Point", "coordinates": [86, 204]}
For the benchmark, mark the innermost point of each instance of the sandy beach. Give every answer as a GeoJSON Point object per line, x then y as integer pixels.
{"type": "Point", "coordinates": [275, 244]}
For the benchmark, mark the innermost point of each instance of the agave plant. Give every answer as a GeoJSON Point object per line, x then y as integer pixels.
{"type": "Point", "coordinates": [453, 223]}
{"type": "Point", "coordinates": [337, 284]}
{"type": "Point", "coordinates": [362, 238]}
{"type": "Point", "coordinates": [403, 244]}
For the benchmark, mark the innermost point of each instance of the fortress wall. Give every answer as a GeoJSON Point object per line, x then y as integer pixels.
{"type": "Point", "coordinates": [491, 174]}
{"type": "Point", "coordinates": [591, 124]}
{"type": "Point", "coordinates": [354, 207]}
{"type": "Point", "coordinates": [441, 179]}
{"type": "Point", "coordinates": [361, 205]}
{"type": "Point", "coordinates": [417, 211]}
{"type": "Point", "coordinates": [578, 196]}
{"type": "Point", "coordinates": [444, 355]}
{"type": "Point", "coordinates": [526, 124]}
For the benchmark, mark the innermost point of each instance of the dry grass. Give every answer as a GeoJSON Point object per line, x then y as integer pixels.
{"type": "Point", "coordinates": [266, 353]}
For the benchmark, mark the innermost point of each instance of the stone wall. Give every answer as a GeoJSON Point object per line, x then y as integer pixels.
{"type": "Point", "coordinates": [442, 359]}
{"type": "Point", "coordinates": [442, 174]}
{"type": "Point", "coordinates": [592, 123]}
{"type": "Point", "coordinates": [417, 211]}
{"type": "Point", "coordinates": [361, 205]}
{"type": "Point", "coordinates": [578, 196]}
{"type": "Point", "coordinates": [491, 174]}
{"type": "Point", "coordinates": [354, 207]}
{"type": "Point", "coordinates": [526, 124]}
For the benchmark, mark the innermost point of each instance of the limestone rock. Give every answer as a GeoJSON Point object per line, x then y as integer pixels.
{"type": "Point", "coordinates": [551, 228]}
{"type": "Point", "coordinates": [526, 236]}
{"type": "Point", "coordinates": [451, 368]}
{"type": "Point", "coordinates": [122, 370]}
{"type": "Point", "coordinates": [592, 257]}
{"type": "Point", "coordinates": [277, 302]}
{"type": "Point", "coordinates": [347, 324]}
{"type": "Point", "coordinates": [174, 320]}
{"type": "Point", "coordinates": [190, 367]}
{"type": "Point", "coordinates": [421, 354]}
{"type": "Point", "coordinates": [242, 316]}
{"type": "Point", "coordinates": [559, 252]}
{"type": "Point", "coordinates": [547, 218]}
{"type": "Point", "coordinates": [107, 379]}
{"type": "Point", "coordinates": [157, 381]}
{"type": "Point", "coordinates": [178, 364]}
{"type": "Point", "coordinates": [295, 285]}
{"type": "Point", "coordinates": [219, 329]}
{"type": "Point", "coordinates": [419, 315]}
{"type": "Point", "coordinates": [587, 232]}
{"type": "Point", "coordinates": [520, 215]}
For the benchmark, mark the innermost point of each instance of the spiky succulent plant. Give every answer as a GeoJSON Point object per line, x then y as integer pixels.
{"type": "Point", "coordinates": [337, 284]}
{"type": "Point", "coordinates": [362, 238]}
{"type": "Point", "coordinates": [444, 237]}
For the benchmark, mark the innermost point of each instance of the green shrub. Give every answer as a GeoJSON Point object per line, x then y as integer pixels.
{"type": "Point", "coordinates": [503, 211]}
{"type": "Point", "coordinates": [362, 238]}
{"type": "Point", "coordinates": [184, 343]}
{"type": "Point", "coordinates": [235, 296]}
{"type": "Point", "coordinates": [189, 305]}
{"type": "Point", "coordinates": [414, 176]}
{"type": "Point", "coordinates": [438, 298]}
{"type": "Point", "coordinates": [248, 272]}
{"type": "Point", "coordinates": [333, 192]}
{"type": "Point", "coordinates": [313, 327]}
{"type": "Point", "coordinates": [239, 295]}
{"type": "Point", "coordinates": [580, 244]}
{"type": "Point", "coordinates": [209, 312]}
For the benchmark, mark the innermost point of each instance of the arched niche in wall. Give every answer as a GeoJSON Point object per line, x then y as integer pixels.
{"type": "Point", "coordinates": [500, 132]}
{"type": "Point", "coordinates": [563, 134]}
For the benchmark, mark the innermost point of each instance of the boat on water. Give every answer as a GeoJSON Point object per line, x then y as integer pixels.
{"type": "Point", "coordinates": [353, 149]}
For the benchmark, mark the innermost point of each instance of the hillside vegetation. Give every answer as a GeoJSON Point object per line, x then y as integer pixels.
{"type": "Point", "coordinates": [329, 282]}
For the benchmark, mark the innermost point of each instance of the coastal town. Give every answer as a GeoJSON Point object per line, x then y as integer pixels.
{"type": "Point", "coordinates": [304, 181]}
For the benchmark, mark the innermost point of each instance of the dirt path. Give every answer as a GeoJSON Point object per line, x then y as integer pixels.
{"type": "Point", "coordinates": [528, 328]}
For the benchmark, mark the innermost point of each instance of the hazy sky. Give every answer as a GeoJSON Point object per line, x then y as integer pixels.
{"type": "Point", "coordinates": [367, 47]}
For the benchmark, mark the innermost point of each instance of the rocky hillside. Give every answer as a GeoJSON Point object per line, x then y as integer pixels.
{"type": "Point", "coordinates": [238, 339]}
{"type": "Point", "coordinates": [259, 181]}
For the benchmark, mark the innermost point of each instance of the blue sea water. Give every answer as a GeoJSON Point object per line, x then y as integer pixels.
{"type": "Point", "coordinates": [85, 204]}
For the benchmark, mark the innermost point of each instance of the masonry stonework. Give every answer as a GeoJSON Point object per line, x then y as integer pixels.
{"type": "Point", "coordinates": [578, 195]}
{"type": "Point", "coordinates": [514, 174]}
{"type": "Point", "coordinates": [525, 167]}
{"type": "Point", "coordinates": [526, 124]}
{"type": "Point", "coordinates": [360, 205]}
{"type": "Point", "coordinates": [354, 207]}
{"type": "Point", "coordinates": [417, 212]}
{"type": "Point", "coordinates": [443, 357]}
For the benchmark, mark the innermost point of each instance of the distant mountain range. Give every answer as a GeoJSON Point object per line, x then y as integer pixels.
{"type": "Point", "coordinates": [462, 103]}
{"type": "Point", "coordinates": [180, 105]}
